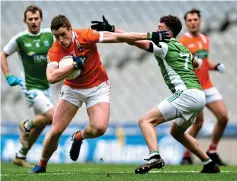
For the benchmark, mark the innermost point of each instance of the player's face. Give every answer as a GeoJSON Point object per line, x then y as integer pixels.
{"type": "Point", "coordinates": [33, 21]}
{"type": "Point", "coordinates": [64, 36]}
{"type": "Point", "coordinates": [163, 27]}
{"type": "Point", "coordinates": [193, 23]}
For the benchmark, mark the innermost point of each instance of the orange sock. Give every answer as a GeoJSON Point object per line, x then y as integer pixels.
{"type": "Point", "coordinates": [186, 154]}
{"type": "Point", "coordinates": [42, 163]}
{"type": "Point", "coordinates": [212, 148]}
{"type": "Point", "coordinates": [79, 135]}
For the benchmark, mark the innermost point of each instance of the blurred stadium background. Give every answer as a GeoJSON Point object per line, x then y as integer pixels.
{"type": "Point", "coordinates": [136, 82]}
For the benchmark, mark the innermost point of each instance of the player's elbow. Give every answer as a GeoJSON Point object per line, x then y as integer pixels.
{"type": "Point", "coordinates": [51, 79]}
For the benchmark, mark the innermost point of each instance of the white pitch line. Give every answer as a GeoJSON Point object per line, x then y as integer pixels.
{"type": "Point", "coordinates": [76, 173]}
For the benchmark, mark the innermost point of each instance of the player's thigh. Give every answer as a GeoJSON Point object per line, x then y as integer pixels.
{"type": "Point", "coordinates": [219, 109]}
{"type": "Point", "coordinates": [64, 113]}
{"type": "Point", "coordinates": [199, 119]}
{"type": "Point", "coordinates": [99, 115]}
{"type": "Point", "coordinates": [153, 116]}
{"type": "Point", "coordinates": [212, 95]}
{"type": "Point", "coordinates": [49, 115]}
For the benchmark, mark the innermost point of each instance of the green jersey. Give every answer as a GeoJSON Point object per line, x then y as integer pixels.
{"type": "Point", "coordinates": [32, 50]}
{"type": "Point", "coordinates": [175, 62]}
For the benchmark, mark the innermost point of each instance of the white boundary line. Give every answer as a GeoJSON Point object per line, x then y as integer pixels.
{"type": "Point", "coordinates": [76, 173]}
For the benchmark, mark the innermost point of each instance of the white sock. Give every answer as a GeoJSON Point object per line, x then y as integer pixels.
{"type": "Point", "coordinates": [28, 125]}
{"type": "Point", "coordinates": [19, 155]}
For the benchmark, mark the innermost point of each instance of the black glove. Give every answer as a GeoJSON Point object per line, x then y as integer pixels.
{"type": "Point", "coordinates": [158, 36]}
{"type": "Point", "coordinates": [78, 62]}
{"type": "Point", "coordinates": [102, 25]}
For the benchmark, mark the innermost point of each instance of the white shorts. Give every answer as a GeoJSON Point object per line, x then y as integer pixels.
{"type": "Point", "coordinates": [212, 94]}
{"type": "Point", "coordinates": [40, 100]}
{"type": "Point", "coordinates": [91, 96]}
{"type": "Point", "coordinates": [185, 105]}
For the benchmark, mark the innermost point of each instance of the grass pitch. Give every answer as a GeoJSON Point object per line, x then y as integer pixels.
{"type": "Point", "coordinates": [114, 172]}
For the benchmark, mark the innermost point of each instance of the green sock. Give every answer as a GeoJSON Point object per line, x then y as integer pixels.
{"type": "Point", "coordinates": [155, 152]}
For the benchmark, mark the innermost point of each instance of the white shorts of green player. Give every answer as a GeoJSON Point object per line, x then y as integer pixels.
{"type": "Point", "coordinates": [39, 100]}
{"type": "Point", "coordinates": [90, 97]}
{"type": "Point", "coordinates": [183, 106]}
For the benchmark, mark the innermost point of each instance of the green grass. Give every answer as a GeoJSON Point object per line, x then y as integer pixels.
{"type": "Point", "coordinates": [114, 172]}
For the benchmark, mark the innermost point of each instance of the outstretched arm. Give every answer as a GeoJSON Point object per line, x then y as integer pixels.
{"type": "Point", "coordinates": [217, 67]}
{"type": "Point", "coordinates": [142, 44]}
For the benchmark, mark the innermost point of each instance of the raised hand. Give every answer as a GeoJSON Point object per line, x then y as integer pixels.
{"type": "Point", "coordinates": [102, 25]}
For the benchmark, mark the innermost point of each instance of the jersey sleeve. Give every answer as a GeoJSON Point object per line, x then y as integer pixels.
{"type": "Point", "coordinates": [53, 56]}
{"type": "Point", "coordinates": [160, 51]}
{"type": "Point", "coordinates": [94, 36]}
{"type": "Point", "coordinates": [11, 47]}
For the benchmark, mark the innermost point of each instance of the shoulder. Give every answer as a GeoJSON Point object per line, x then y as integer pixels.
{"type": "Point", "coordinates": [55, 53]}
{"type": "Point", "coordinates": [46, 31]}
{"type": "Point", "coordinates": [184, 38]}
{"type": "Point", "coordinates": [19, 35]}
{"type": "Point", "coordinates": [204, 36]}
{"type": "Point", "coordinates": [85, 32]}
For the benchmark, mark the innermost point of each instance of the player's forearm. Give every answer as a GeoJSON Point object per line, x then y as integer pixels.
{"type": "Point", "coordinates": [55, 75]}
{"type": "Point", "coordinates": [4, 64]}
{"type": "Point", "coordinates": [131, 37]}
{"type": "Point", "coordinates": [142, 44]}
{"type": "Point", "coordinates": [211, 66]}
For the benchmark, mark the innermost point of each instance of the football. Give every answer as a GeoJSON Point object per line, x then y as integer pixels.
{"type": "Point", "coordinates": [65, 61]}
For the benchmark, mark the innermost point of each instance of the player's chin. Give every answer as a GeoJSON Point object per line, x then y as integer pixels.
{"type": "Point", "coordinates": [34, 29]}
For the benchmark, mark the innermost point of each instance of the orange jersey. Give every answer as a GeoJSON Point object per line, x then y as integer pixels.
{"type": "Point", "coordinates": [199, 46]}
{"type": "Point", "coordinates": [93, 72]}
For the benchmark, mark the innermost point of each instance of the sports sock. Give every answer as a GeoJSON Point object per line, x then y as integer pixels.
{"type": "Point", "coordinates": [153, 153]}
{"type": "Point", "coordinates": [207, 161]}
{"type": "Point", "coordinates": [42, 163]}
{"type": "Point", "coordinates": [186, 154]}
{"type": "Point", "coordinates": [22, 152]}
{"type": "Point", "coordinates": [28, 125]}
{"type": "Point", "coordinates": [79, 135]}
{"type": "Point", "coordinates": [212, 148]}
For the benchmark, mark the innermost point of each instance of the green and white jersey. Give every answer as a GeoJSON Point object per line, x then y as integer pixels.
{"type": "Point", "coordinates": [32, 50]}
{"type": "Point", "coordinates": [175, 62]}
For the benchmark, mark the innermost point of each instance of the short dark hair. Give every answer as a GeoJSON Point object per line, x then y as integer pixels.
{"type": "Point", "coordinates": [192, 11]}
{"type": "Point", "coordinates": [173, 23]}
{"type": "Point", "coordinates": [33, 9]}
{"type": "Point", "coordinates": [60, 21]}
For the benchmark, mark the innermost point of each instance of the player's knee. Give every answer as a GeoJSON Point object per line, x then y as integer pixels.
{"type": "Point", "coordinates": [142, 121]}
{"type": "Point", "coordinates": [223, 119]}
{"type": "Point", "coordinates": [56, 132]}
{"type": "Point", "coordinates": [198, 124]}
{"type": "Point", "coordinates": [100, 129]}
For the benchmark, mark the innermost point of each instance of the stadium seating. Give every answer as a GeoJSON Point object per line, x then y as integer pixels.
{"type": "Point", "coordinates": [136, 82]}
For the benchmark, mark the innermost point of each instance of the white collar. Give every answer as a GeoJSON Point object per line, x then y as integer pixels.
{"type": "Point", "coordinates": [31, 34]}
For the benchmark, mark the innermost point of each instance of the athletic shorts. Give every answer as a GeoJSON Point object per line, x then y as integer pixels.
{"type": "Point", "coordinates": [40, 100]}
{"type": "Point", "coordinates": [91, 96]}
{"type": "Point", "coordinates": [212, 95]}
{"type": "Point", "coordinates": [184, 105]}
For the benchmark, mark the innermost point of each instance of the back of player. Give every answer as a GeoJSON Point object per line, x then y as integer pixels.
{"type": "Point", "coordinates": [176, 67]}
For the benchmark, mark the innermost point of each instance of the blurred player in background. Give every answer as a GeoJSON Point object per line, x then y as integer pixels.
{"type": "Point", "coordinates": [32, 47]}
{"type": "Point", "coordinates": [198, 44]}
{"type": "Point", "coordinates": [90, 87]}
{"type": "Point", "coordinates": [186, 102]}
